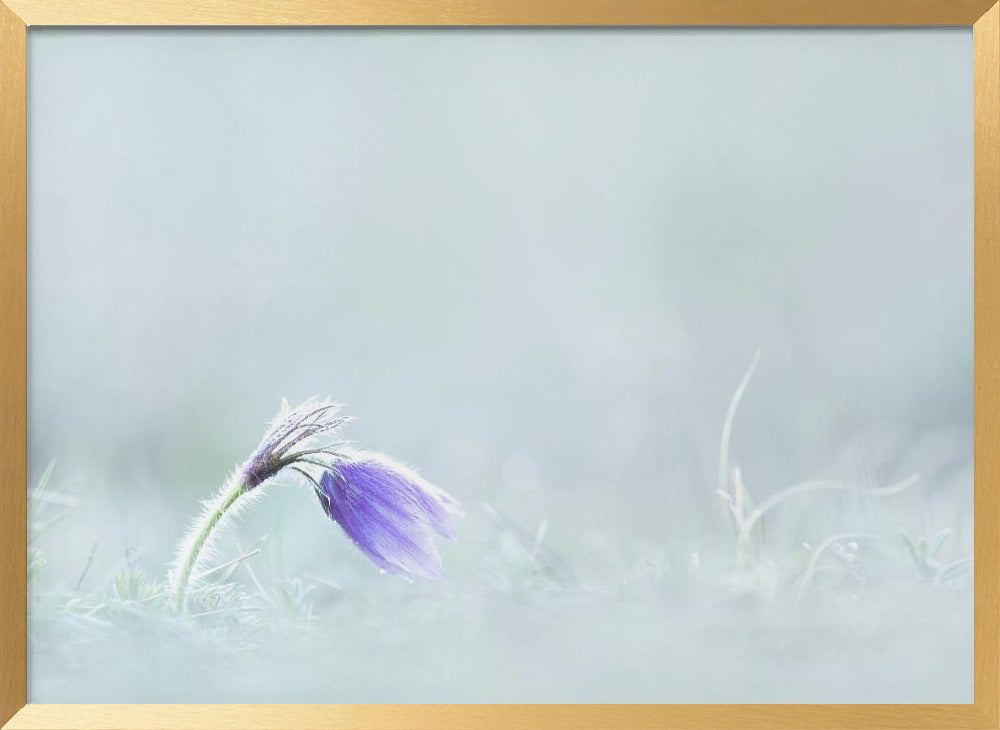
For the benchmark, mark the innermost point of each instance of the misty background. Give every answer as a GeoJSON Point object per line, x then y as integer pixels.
{"type": "Point", "coordinates": [535, 264]}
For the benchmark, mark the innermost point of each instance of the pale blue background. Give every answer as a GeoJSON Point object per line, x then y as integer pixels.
{"type": "Point", "coordinates": [535, 263]}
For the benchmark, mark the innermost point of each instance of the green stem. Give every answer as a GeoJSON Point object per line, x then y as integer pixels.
{"type": "Point", "coordinates": [231, 491]}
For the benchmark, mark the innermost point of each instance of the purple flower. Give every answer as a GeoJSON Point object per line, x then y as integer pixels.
{"type": "Point", "coordinates": [389, 511]}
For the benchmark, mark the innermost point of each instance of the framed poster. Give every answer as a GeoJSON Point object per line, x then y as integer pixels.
{"type": "Point", "coordinates": [640, 374]}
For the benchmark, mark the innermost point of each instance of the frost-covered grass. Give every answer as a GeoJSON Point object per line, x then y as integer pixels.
{"type": "Point", "coordinates": [745, 611]}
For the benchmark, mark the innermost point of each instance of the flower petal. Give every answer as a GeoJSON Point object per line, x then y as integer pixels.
{"type": "Point", "coordinates": [399, 489]}
{"type": "Point", "coordinates": [386, 509]}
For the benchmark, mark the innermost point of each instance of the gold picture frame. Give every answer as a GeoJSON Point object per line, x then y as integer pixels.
{"type": "Point", "coordinates": [17, 16]}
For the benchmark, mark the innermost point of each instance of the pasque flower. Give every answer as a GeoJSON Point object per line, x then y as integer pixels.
{"type": "Point", "coordinates": [387, 509]}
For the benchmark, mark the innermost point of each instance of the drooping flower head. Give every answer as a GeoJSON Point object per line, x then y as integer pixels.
{"type": "Point", "coordinates": [389, 511]}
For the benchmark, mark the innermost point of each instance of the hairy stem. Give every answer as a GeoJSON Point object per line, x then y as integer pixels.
{"type": "Point", "coordinates": [233, 490]}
